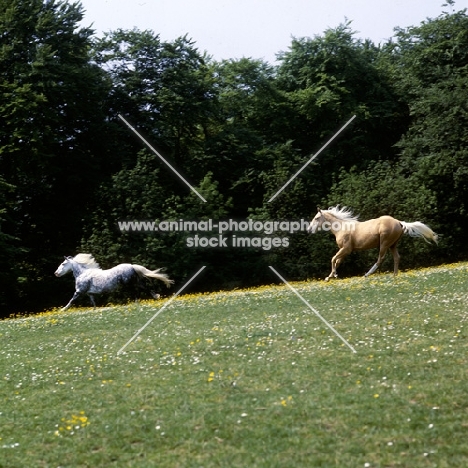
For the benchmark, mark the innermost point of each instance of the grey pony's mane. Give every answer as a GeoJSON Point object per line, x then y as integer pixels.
{"type": "Point", "coordinates": [86, 260]}
{"type": "Point", "coordinates": [344, 213]}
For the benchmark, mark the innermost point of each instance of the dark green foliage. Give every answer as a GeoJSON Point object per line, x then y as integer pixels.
{"type": "Point", "coordinates": [430, 62]}
{"type": "Point", "coordinates": [53, 147]}
{"type": "Point", "coordinates": [251, 115]}
{"type": "Point", "coordinates": [9, 251]}
{"type": "Point", "coordinates": [331, 77]}
{"type": "Point", "coordinates": [167, 87]}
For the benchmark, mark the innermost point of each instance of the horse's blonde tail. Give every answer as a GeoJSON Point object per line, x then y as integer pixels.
{"type": "Point", "coordinates": [418, 229]}
{"type": "Point", "coordinates": [144, 272]}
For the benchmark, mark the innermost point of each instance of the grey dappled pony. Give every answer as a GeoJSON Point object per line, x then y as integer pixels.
{"type": "Point", "coordinates": [91, 280]}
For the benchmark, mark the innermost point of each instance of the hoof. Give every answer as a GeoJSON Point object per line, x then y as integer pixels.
{"type": "Point", "coordinates": [330, 277]}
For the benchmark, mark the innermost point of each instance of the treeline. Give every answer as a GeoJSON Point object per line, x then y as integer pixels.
{"type": "Point", "coordinates": [70, 169]}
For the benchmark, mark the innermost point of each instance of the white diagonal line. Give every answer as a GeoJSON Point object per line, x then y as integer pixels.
{"type": "Point", "coordinates": [161, 309]}
{"type": "Point", "coordinates": [161, 157]}
{"type": "Point", "coordinates": [313, 310]}
{"type": "Point", "coordinates": [312, 158]}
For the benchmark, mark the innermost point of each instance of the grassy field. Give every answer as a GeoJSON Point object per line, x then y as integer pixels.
{"type": "Point", "coordinates": [248, 378]}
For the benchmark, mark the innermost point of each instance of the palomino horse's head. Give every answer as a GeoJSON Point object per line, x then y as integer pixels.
{"type": "Point", "coordinates": [65, 267]}
{"type": "Point", "coordinates": [316, 223]}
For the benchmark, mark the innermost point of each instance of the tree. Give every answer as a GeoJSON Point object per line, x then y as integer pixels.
{"type": "Point", "coordinates": [328, 79]}
{"type": "Point", "coordinates": [52, 132]}
{"type": "Point", "coordinates": [165, 88]}
{"type": "Point", "coordinates": [9, 253]}
{"type": "Point", "coordinates": [251, 113]}
{"type": "Point", "coordinates": [429, 65]}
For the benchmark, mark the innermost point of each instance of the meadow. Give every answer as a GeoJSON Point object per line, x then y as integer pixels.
{"type": "Point", "coordinates": [248, 378]}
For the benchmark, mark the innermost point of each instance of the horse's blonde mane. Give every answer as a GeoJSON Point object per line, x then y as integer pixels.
{"type": "Point", "coordinates": [344, 213]}
{"type": "Point", "coordinates": [86, 260]}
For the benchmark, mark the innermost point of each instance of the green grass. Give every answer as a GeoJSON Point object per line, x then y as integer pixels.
{"type": "Point", "coordinates": [246, 379]}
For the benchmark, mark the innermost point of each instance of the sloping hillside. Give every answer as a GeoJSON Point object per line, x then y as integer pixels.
{"type": "Point", "coordinates": [249, 378]}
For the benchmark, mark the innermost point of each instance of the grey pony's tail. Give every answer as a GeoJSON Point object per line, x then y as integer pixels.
{"type": "Point", "coordinates": [144, 272]}
{"type": "Point", "coordinates": [418, 229]}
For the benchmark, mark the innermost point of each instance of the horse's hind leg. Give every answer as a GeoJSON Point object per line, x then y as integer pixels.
{"type": "Point", "coordinates": [75, 296]}
{"type": "Point", "coordinates": [372, 270]}
{"type": "Point", "coordinates": [91, 298]}
{"type": "Point", "coordinates": [154, 294]}
{"type": "Point", "coordinates": [382, 253]}
{"type": "Point", "coordinates": [143, 285]}
{"type": "Point", "coordinates": [396, 258]}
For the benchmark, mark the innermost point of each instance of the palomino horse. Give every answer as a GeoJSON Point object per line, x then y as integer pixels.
{"type": "Point", "coordinates": [382, 233]}
{"type": "Point", "coordinates": [91, 280]}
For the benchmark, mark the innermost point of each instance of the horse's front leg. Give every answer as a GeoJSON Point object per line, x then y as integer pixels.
{"type": "Point", "coordinates": [333, 273]}
{"type": "Point", "coordinates": [336, 260]}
